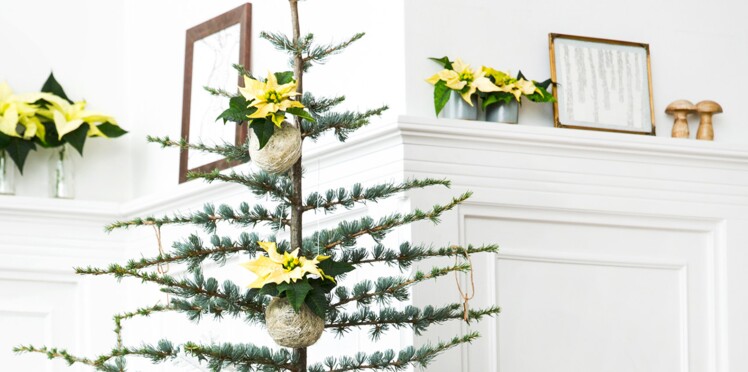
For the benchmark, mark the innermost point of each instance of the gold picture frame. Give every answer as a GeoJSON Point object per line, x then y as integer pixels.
{"type": "Point", "coordinates": [601, 84]}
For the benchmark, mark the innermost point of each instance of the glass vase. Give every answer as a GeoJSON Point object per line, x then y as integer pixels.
{"type": "Point", "coordinates": [62, 173]}
{"type": "Point", "coordinates": [7, 174]}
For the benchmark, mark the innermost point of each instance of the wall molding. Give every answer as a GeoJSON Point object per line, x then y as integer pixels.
{"type": "Point", "coordinates": [716, 265]}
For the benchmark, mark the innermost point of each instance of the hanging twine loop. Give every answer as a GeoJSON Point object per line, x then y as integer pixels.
{"type": "Point", "coordinates": [162, 267]}
{"type": "Point", "coordinates": [465, 295]}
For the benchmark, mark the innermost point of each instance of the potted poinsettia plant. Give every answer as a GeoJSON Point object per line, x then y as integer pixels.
{"type": "Point", "coordinates": [502, 105]}
{"type": "Point", "coordinates": [299, 286]}
{"type": "Point", "coordinates": [18, 127]}
{"type": "Point", "coordinates": [275, 144]}
{"type": "Point", "coordinates": [456, 89]}
{"type": "Point", "coordinates": [62, 123]}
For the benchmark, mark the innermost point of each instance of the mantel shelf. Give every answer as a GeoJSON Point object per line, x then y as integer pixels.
{"type": "Point", "coordinates": [435, 132]}
{"type": "Point", "coordinates": [582, 140]}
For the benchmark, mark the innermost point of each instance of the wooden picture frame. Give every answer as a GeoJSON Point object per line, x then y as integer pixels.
{"type": "Point", "coordinates": [602, 84]}
{"type": "Point", "coordinates": [223, 35]}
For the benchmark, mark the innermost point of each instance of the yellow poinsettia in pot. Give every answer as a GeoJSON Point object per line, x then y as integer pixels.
{"type": "Point", "coordinates": [62, 124]}
{"type": "Point", "coordinates": [18, 126]}
{"type": "Point", "coordinates": [456, 89]}
{"type": "Point", "coordinates": [299, 287]}
{"type": "Point", "coordinates": [503, 105]}
{"type": "Point", "coordinates": [274, 143]}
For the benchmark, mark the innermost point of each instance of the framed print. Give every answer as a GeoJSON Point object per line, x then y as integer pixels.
{"type": "Point", "coordinates": [601, 84]}
{"type": "Point", "coordinates": [212, 48]}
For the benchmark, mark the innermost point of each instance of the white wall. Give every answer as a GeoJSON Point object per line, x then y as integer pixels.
{"type": "Point", "coordinates": [81, 41]}
{"type": "Point", "coordinates": [127, 59]}
{"type": "Point", "coordinates": [369, 73]}
{"type": "Point", "coordinates": [699, 50]}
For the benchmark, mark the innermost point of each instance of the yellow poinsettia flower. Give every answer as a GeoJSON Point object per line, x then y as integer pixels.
{"type": "Point", "coordinates": [526, 87]}
{"type": "Point", "coordinates": [9, 121]}
{"type": "Point", "coordinates": [464, 80]}
{"type": "Point", "coordinates": [283, 268]}
{"type": "Point", "coordinates": [18, 109]}
{"type": "Point", "coordinates": [269, 98]}
{"type": "Point", "coordinates": [499, 77]}
{"type": "Point", "coordinates": [69, 117]}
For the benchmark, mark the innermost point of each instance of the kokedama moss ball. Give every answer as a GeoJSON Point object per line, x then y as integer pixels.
{"type": "Point", "coordinates": [280, 153]}
{"type": "Point", "coordinates": [291, 329]}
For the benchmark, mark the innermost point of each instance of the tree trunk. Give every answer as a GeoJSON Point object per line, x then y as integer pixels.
{"type": "Point", "coordinates": [296, 200]}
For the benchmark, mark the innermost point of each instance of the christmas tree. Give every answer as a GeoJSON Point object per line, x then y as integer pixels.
{"type": "Point", "coordinates": [303, 273]}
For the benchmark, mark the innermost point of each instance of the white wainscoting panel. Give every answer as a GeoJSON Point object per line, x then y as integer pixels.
{"type": "Point", "coordinates": [600, 292]}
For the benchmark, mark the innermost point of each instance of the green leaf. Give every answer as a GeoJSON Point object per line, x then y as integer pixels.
{"type": "Point", "coordinates": [110, 130]}
{"type": "Point", "coordinates": [444, 62]}
{"type": "Point", "coordinates": [300, 112]}
{"type": "Point", "coordinates": [296, 292]}
{"type": "Point", "coordinates": [542, 96]}
{"type": "Point", "coordinates": [495, 97]}
{"type": "Point", "coordinates": [489, 100]}
{"type": "Point", "coordinates": [269, 289]}
{"type": "Point", "coordinates": [52, 86]}
{"type": "Point", "coordinates": [51, 138]}
{"type": "Point", "coordinates": [441, 95]}
{"type": "Point", "coordinates": [324, 285]}
{"type": "Point", "coordinates": [4, 141]}
{"type": "Point", "coordinates": [317, 302]}
{"type": "Point", "coordinates": [284, 77]}
{"type": "Point", "coordinates": [77, 138]}
{"type": "Point", "coordinates": [544, 84]}
{"type": "Point", "coordinates": [18, 149]}
{"type": "Point", "coordinates": [335, 268]}
{"type": "Point", "coordinates": [264, 129]}
{"type": "Point", "coordinates": [238, 110]}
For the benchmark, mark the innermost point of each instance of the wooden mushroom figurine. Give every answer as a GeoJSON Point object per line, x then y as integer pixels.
{"type": "Point", "coordinates": [706, 109]}
{"type": "Point", "coordinates": [680, 109]}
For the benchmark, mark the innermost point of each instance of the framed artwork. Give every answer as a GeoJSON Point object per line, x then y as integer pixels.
{"type": "Point", "coordinates": [602, 84]}
{"type": "Point", "coordinates": [212, 48]}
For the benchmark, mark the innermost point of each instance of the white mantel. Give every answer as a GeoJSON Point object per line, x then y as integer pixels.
{"type": "Point", "coordinates": [605, 237]}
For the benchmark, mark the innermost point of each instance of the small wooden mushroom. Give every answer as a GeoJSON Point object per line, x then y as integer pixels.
{"type": "Point", "coordinates": [680, 109]}
{"type": "Point", "coordinates": [706, 110]}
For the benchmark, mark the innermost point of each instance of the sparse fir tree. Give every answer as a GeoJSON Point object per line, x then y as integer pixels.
{"type": "Point", "coordinates": [363, 305]}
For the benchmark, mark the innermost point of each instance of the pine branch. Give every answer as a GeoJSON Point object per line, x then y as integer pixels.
{"type": "Point", "coordinates": [232, 153]}
{"type": "Point", "coordinates": [407, 254]}
{"type": "Point", "coordinates": [206, 294]}
{"type": "Point", "coordinates": [276, 187]}
{"type": "Point", "coordinates": [343, 123]}
{"type": "Point", "coordinates": [193, 251]}
{"type": "Point", "coordinates": [246, 357]}
{"type": "Point", "coordinates": [388, 361]}
{"type": "Point", "coordinates": [347, 199]}
{"type": "Point", "coordinates": [387, 288]}
{"type": "Point", "coordinates": [210, 216]}
{"type": "Point", "coordinates": [218, 92]}
{"type": "Point", "coordinates": [318, 106]}
{"type": "Point", "coordinates": [385, 319]}
{"type": "Point", "coordinates": [145, 311]}
{"type": "Point", "coordinates": [319, 54]}
{"type": "Point", "coordinates": [162, 351]}
{"type": "Point", "coordinates": [346, 233]}
{"type": "Point", "coordinates": [283, 43]}
{"type": "Point", "coordinates": [242, 70]}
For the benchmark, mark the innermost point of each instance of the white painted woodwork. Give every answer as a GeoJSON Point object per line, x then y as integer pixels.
{"type": "Point", "coordinates": [619, 252]}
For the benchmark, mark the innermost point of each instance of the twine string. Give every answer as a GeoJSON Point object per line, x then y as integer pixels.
{"type": "Point", "coordinates": [162, 267]}
{"type": "Point", "coordinates": [465, 295]}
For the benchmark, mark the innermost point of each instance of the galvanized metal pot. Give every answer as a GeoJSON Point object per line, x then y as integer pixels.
{"type": "Point", "coordinates": [457, 108]}
{"type": "Point", "coordinates": [502, 112]}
